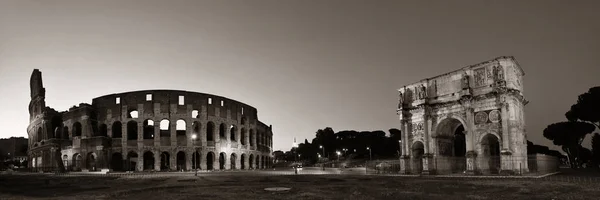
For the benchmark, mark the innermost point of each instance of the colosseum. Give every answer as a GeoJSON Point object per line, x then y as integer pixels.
{"type": "Point", "coordinates": [150, 130]}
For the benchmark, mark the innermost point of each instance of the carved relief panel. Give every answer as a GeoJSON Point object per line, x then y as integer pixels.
{"type": "Point", "coordinates": [479, 77]}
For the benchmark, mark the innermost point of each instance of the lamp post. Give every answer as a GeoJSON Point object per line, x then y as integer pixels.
{"type": "Point", "coordinates": [321, 146]}
{"type": "Point", "coordinates": [194, 136]}
{"type": "Point", "coordinates": [338, 155]}
{"type": "Point", "coordinates": [368, 148]}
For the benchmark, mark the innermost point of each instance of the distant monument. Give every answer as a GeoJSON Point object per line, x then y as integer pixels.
{"type": "Point", "coordinates": [470, 120]}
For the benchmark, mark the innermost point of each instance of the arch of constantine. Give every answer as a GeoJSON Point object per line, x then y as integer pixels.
{"type": "Point", "coordinates": [470, 120]}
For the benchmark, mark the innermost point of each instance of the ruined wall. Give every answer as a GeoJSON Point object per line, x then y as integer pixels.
{"type": "Point", "coordinates": [115, 127]}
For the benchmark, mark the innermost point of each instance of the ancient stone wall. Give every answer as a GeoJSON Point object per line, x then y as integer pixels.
{"type": "Point", "coordinates": [153, 130]}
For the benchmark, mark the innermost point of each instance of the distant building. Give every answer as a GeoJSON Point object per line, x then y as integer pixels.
{"type": "Point", "coordinates": [14, 149]}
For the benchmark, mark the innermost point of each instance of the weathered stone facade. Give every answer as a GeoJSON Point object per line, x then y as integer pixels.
{"type": "Point", "coordinates": [469, 120]}
{"type": "Point", "coordinates": [147, 130]}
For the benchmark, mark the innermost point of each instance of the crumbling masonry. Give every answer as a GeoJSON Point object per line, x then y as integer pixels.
{"type": "Point", "coordinates": [147, 130]}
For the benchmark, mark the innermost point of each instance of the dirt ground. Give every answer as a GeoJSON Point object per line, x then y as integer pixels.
{"type": "Point", "coordinates": [302, 187]}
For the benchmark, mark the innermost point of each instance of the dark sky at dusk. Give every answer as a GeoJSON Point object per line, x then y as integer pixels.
{"type": "Point", "coordinates": [304, 65]}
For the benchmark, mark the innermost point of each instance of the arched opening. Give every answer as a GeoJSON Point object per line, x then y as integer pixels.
{"type": "Point", "coordinates": [133, 114]}
{"type": "Point", "coordinates": [91, 162]}
{"type": "Point", "coordinates": [132, 130]}
{"type": "Point", "coordinates": [165, 159]}
{"type": "Point", "coordinates": [210, 158]}
{"type": "Point", "coordinates": [243, 136]}
{"type": "Point", "coordinates": [222, 161]}
{"type": "Point", "coordinates": [117, 162]}
{"type": "Point", "coordinates": [451, 145]}
{"type": "Point", "coordinates": [76, 162]}
{"type": "Point", "coordinates": [251, 162]}
{"type": "Point", "coordinates": [194, 114]}
{"type": "Point", "coordinates": [103, 130]}
{"type": "Point", "coordinates": [257, 162]}
{"type": "Point", "coordinates": [165, 130]}
{"type": "Point", "coordinates": [117, 130]}
{"type": "Point", "coordinates": [65, 133]}
{"type": "Point", "coordinates": [417, 157]}
{"type": "Point", "coordinates": [148, 129]}
{"type": "Point", "coordinates": [196, 160]}
{"type": "Point", "coordinates": [210, 131]}
{"type": "Point", "coordinates": [232, 133]}
{"type": "Point", "coordinates": [195, 133]}
{"type": "Point", "coordinates": [243, 161]}
{"type": "Point", "coordinates": [222, 132]}
{"type": "Point", "coordinates": [490, 154]}
{"type": "Point", "coordinates": [180, 127]}
{"type": "Point", "coordinates": [181, 160]}
{"type": "Point", "coordinates": [56, 133]}
{"type": "Point", "coordinates": [232, 159]}
{"type": "Point", "coordinates": [148, 160]}
{"type": "Point", "coordinates": [77, 129]}
{"type": "Point", "coordinates": [132, 158]}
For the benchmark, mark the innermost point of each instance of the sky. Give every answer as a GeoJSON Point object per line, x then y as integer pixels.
{"type": "Point", "coordinates": [304, 65]}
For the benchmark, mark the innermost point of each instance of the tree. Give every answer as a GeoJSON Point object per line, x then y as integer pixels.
{"type": "Point", "coordinates": [587, 108]}
{"type": "Point", "coordinates": [569, 136]}
{"type": "Point", "coordinates": [596, 149]}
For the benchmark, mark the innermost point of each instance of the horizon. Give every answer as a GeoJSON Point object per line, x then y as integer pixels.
{"type": "Point", "coordinates": [302, 66]}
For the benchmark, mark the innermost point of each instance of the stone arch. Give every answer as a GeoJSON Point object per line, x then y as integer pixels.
{"type": "Point", "coordinates": [90, 161]}
{"type": "Point", "coordinates": [210, 158]}
{"type": "Point", "coordinates": [489, 158]}
{"type": "Point", "coordinates": [222, 159]}
{"type": "Point", "coordinates": [103, 130]}
{"type": "Point", "coordinates": [232, 133]}
{"type": "Point", "coordinates": [165, 161]}
{"type": "Point", "coordinates": [180, 127]}
{"type": "Point", "coordinates": [257, 162]}
{"type": "Point", "coordinates": [232, 160]}
{"type": "Point", "coordinates": [148, 129]}
{"type": "Point", "coordinates": [132, 159]}
{"type": "Point", "coordinates": [243, 161]}
{"type": "Point", "coordinates": [417, 152]}
{"type": "Point", "coordinates": [132, 130]}
{"type": "Point", "coordinates": [56, 133]}
{"type": "Point", "coordinates": [251, 162]}
{"type": "Point", "coordinates": [148, 160]}
{"type": "Point", "coordinates": [210, 131]}
{"type": "Point", "coordinates": [222, 131]}
{"type": "Point", "coordinates": [181, 160]}
{"type": "Point", "coordinates": [77, 129]}
{"type": "Point", "coordinates": [243, 136]}
{"type": "Point", "coordinates": [117, 161]}
{"type": "Point", "coordinates": [76, 162]}
{"type": "Point", "coordinates": [117, 131]}
{"type": "Point", "coordinates": [165, 128]}
{"type": "Point", "coordinates": [451, 144]}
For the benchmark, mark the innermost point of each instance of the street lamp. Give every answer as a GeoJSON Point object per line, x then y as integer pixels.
{"type": "Point", "coordinates": [321, 146]}
{"type": "Point", "coordinates": [368, 148]}
{"type": "Point", "coordinates": [338, 155]}
{"type": "Point", "coordinates": [194, 136]}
